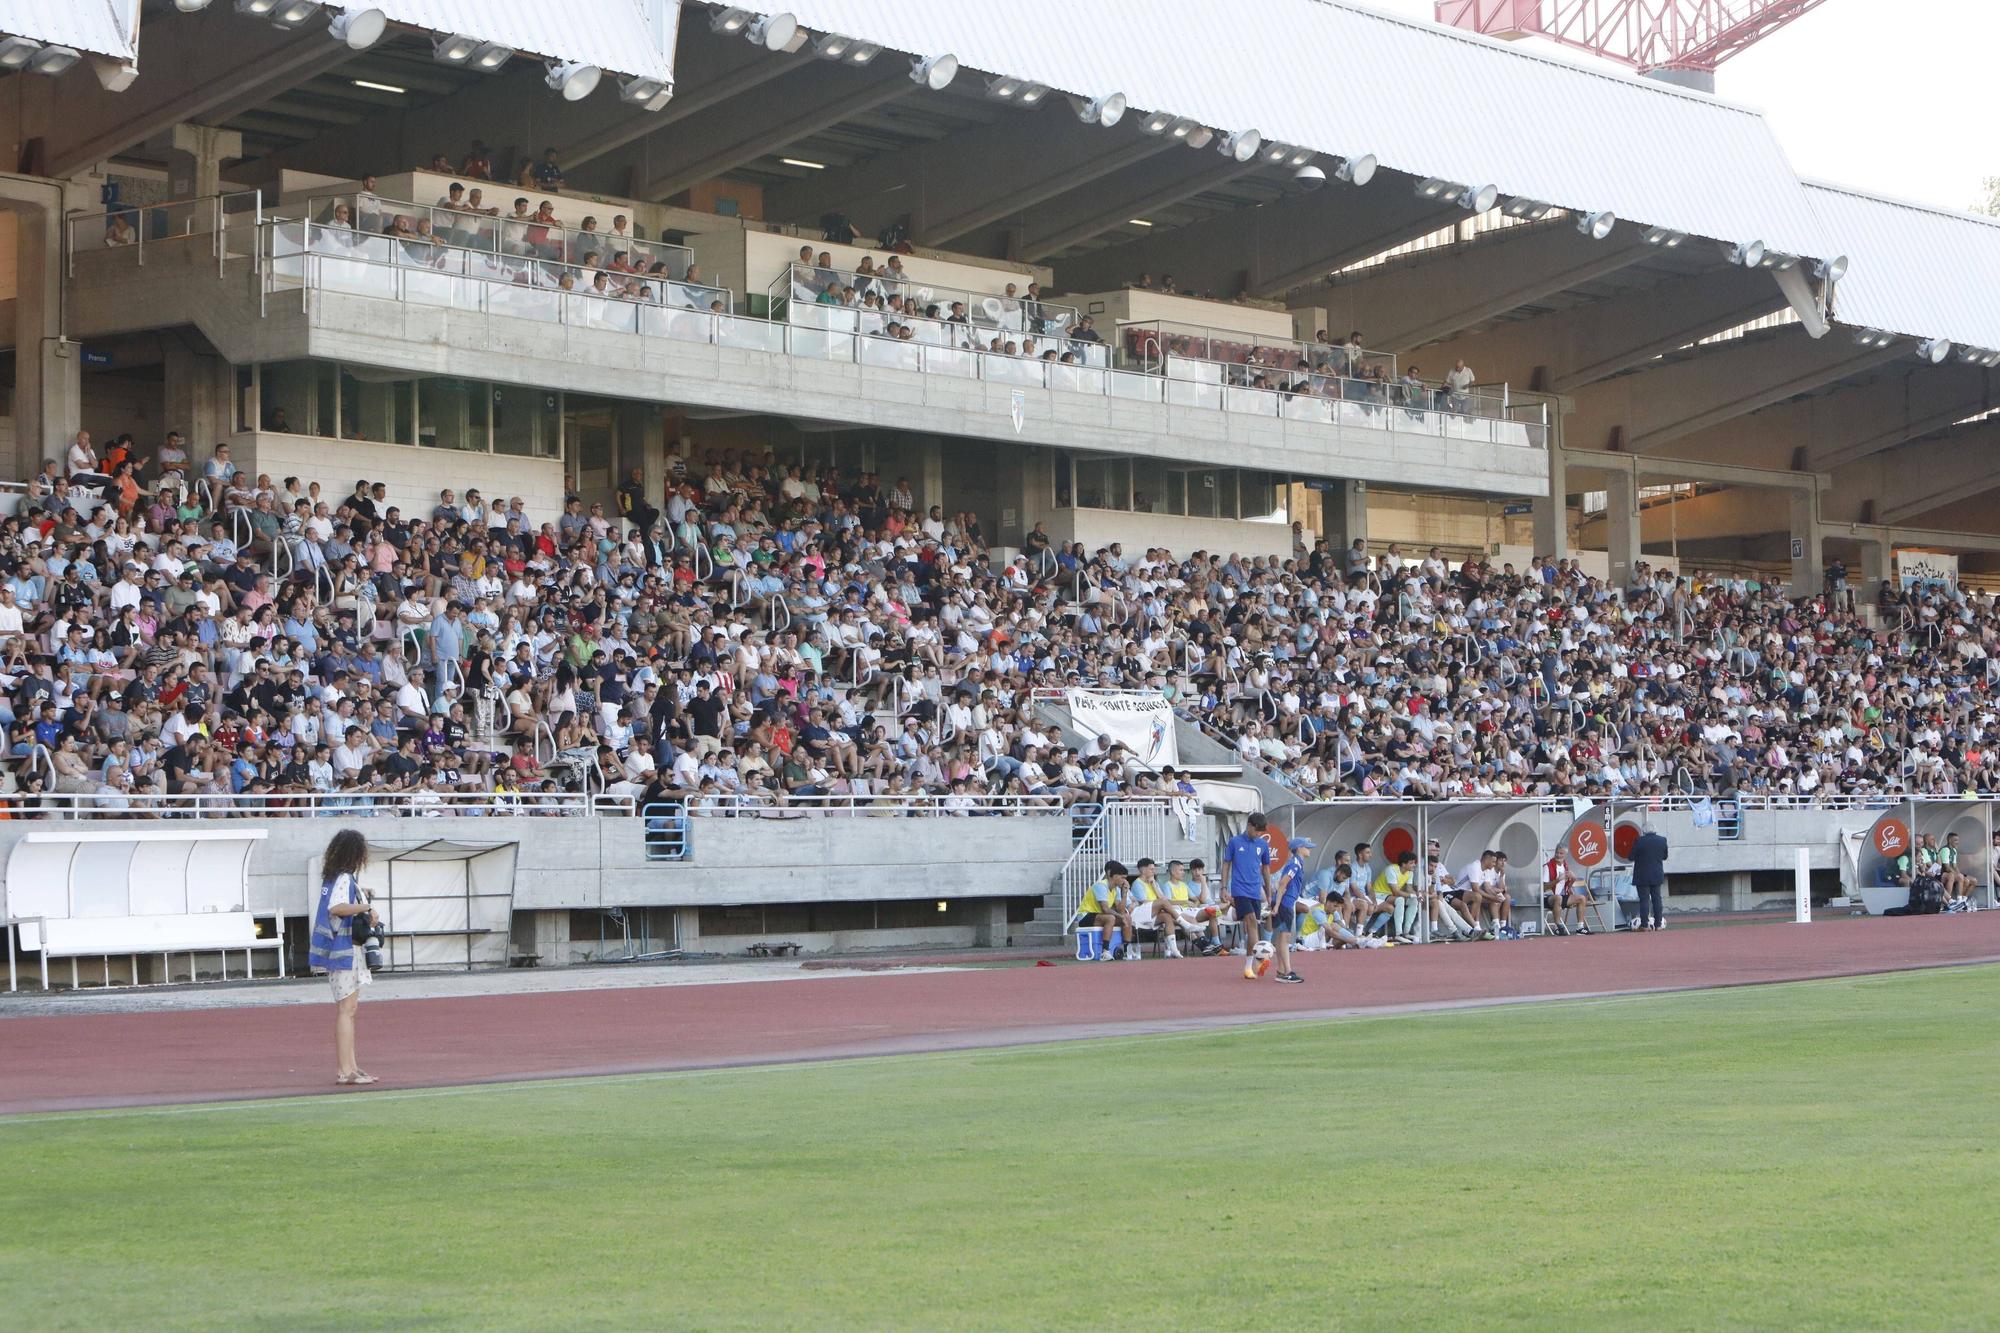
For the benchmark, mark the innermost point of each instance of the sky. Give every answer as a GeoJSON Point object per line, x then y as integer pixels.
{"type": "Point", "coordinates": [1891, 96]}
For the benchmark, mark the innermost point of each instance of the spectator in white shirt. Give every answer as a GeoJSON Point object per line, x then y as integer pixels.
{"type": "Point", "coordinates": [82, 458]}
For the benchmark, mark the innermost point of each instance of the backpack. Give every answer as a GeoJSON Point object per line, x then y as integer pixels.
{"type": "Point", "coordinates": [1926, 895]}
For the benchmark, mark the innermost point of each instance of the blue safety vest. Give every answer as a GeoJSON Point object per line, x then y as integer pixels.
{"type": "Point", "coordinates": [332, 941]}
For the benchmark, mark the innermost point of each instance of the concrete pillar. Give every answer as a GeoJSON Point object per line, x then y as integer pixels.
{"type": "Point", "coordinates": [1552, 510]}
{"type": "Point", "coordinates": [1345, 507]}
{"type": "Point", "coordinates": [1874, 569]}
{"type": "Point", "coordinates": [930, 481]}
{"type": "Point", "coordinates": [47, 388]}
{"type": "Point", "coordinates": [1621, 513]}
{"type": "Point", "coordinates": [1736, 896]}
{"type": "Point", "coordinates": [195, 154]}
{"type": "Point", "coordinates": [198, 388]}
{"type": "Point", "coordinates": [1807, 575]}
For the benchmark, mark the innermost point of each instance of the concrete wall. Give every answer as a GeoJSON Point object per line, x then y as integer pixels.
{"type": "Point", "coordinates": [572, 863]}
{"type": "Point", "coordinates": [1128, 305]}
{"type": "Point", "coordinates": [1100, 527]}
{"type": "Point", "coordinates": [413, 475]}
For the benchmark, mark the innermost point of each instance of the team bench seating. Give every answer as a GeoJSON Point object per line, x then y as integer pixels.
{"type": "Point", "coordinates": [144, 936]}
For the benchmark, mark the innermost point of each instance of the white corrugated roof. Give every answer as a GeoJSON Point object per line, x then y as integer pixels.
{"type": "Point", "coordinates": [618, 36]}
{"type": "Point", "coordinates": [1917, 270]}
{"type": "Point", "coordinates": [100, 27]}
{"type": "Point", "coordinates": [1341, 78]}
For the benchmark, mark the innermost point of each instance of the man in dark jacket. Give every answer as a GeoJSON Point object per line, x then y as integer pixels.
{"type": "Point", "coordinates": [1649, 877]}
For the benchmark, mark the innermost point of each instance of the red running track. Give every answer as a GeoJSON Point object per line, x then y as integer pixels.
{"type": "Point", "coordinates": [98, 1060]}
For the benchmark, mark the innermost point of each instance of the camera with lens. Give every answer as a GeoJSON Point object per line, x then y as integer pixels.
{"type": "Point", "coordinates": [368, 935]}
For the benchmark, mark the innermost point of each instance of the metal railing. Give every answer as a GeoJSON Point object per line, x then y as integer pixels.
{"type": "Point", "coordinates": [666, 830]}
{"type": "Point", "coordinates": [907, 805]}
{"type": "Point", "coordinates": [486, 230]}
{"type": "Point", "coordinates": [349, 804]}
{"type": "Point", "coordinates": [427, 270]}
{"type": "Point", "coordinates": [998, 312]}
{"type": "Point", "coordinates": [135, 228]}
{"type": "Point", "coordinates": [944, 342]}
{"type": "Point", "coordinates": [1150, 342]}
{"type": "Point", "coordinates": [1125, 829]}
{"type": "Point", "coordinates": [290, 267]}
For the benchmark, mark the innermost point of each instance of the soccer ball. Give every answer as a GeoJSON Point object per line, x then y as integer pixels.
{"type": "Point", "coordinates": [1263, 949]}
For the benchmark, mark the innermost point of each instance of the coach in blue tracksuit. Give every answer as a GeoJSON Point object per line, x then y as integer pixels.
{"type": "Point", "coordinates": [1649, 877]}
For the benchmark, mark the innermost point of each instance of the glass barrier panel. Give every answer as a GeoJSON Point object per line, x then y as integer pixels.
{"type": "Point", "coordinates": [1189, 393]}
{"type": "Point", "coordinates": [892, 353]}
{"type": "Point", "coordinates": [951, 361]}
{"type": "Point", "coordinates": [1366, 416]}
{"type": "Point", "coordinates": [1300, 407]}
{"type": "Point", "coordinates": [754, 335]}
{"type": "Point", "coordinates": [522, 300]}
{"type": "Point", "coordinates": [1251, 402]}
{"type": "Point", "coordinates": [1135, 387]}
{"type": "Point", "coordinates": [1205, 372]}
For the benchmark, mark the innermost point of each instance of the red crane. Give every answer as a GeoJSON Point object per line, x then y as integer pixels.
{"type": "Point", "coordinates": [1647, 35]}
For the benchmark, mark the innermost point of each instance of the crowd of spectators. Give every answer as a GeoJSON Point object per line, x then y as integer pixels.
{"type": "Point", "coordinates": [758, 634]}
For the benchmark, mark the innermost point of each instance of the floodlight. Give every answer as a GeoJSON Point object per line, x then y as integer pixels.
{"type": "Point", "coordinates": [1356, 170]}
{"type": "Point", "coordinates": [732, 20]}
{"type": "Point", "coordinates": [1106, 111]}
{"type": "Point", "coordinates": [934, 72]}
{"type": "Point", "coordinates": [832, 46]}
{"type": "Point", "coordinates": [53, 60]}
{"type": "Point", "coordinates": [1831, 270]}
{"type": "Point", "coordinates": [190, 6]}
{"type": "Point", "coordinates": [1157, 122]}
{"type": "Point", "coordinates": [1664, 238]}
{"type": "Point", "coordinates": [16, 52]}
{"type": "Point", "coordinates": [256, 9]}
{"type": "Point", "coordinates": [1934, 350]}
{"type": "Point", "coordinates": [773, 32]}
{"type": "Point", "coordinates": [1478, 199]}
{"type": "Point", "coordinates": [1200, 137]}
{"type": "Point", "coordinates": [1003, 89]}
{"type": "Point", "coordinates": [292, 13]}
{"type": "Point", "coordinates": [1597, 225]}
{"type": "Point", "coordinates": [1275, 153]}
{"type": "Point", "coordinates": [359, 28]}
{"type": "Point", "coordinates": [1873, 337]}
{"type": "Point", "coordinates": [1433, 188]}
{"type": "Point", "coordinates": [573, 79]}
{"type": "Point", "coordinates": [643, 91]}
{"type": "Point", "coordinates": [456, 49]}
{"type": "Point", "coordinates": [1749, 255]}
{"type": "Point", "coordinates": [1241, 145]}
{"type": "Point", "coordinates": [489, 56]}
{"type": "Point", "coordinates": [1528, 210]}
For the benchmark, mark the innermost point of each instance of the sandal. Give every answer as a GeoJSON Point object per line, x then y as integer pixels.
{"type": "Point", "coordinates": [361, 1077]}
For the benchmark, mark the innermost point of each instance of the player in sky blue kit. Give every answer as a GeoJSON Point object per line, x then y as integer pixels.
{"type": "Point", "coordinates": [1290, 887]}
{"type": "Point", "coordinates": [1246, 860]}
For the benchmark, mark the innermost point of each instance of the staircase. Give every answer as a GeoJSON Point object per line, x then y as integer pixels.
{"type": "Point", "coordinates": [1124, 830]}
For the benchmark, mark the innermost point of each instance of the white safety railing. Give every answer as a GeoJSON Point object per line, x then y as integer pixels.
{"type": "Point", "coordinates": [909, 804]}
{"type": "Point", "coordinates": [962, 315]}
{"type": "Point", "coordinates": [207, 805]}
{"type": "Point", "coordinates": [1126, 829]}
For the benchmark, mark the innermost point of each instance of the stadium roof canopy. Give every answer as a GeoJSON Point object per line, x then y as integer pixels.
{"type": "Point", "coordinates": [95, 27]}
{"type": "Point", "coordinates": [1437, 103]}
{"type": "Point", "coordinates": [1921, 271]}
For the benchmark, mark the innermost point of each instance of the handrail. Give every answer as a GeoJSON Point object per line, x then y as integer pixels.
{"type": "Point", "coordinates": [1175, 338]}
{"type": "Point", "coordinates": [771, 609]}
{"type": "Point", "coordinates": [543, 729]}
{"type": "Point", "coordinates": [734, 805]}
{"type": "Point", "coordinates": [804, 283]}
{"type": "Point", "coordinates": [492, 232]}
{"type": "Point", "coordinates": [224, 805]}
{"type": "Point", "coordinates": [534, 270]}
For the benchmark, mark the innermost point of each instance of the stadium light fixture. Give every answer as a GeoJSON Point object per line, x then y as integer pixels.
{"type": "Point", "coordinates": [256, 9]}
{"type": "Point", "coordinates": [773, 32]}
{"type": "Point", "coordinates": [1597, 225]}
{"type": "Point", "coordinates": [1831, 270]}
{"type": "Point", "coordinates": [1138, 222]}
{"type": "Point", "coordinates": [807, 163]}
{"type": "Point", "coordinates": [1478, 199]}
{"type": "Point", "coordinates": [1242, 145]}
{"type": "Point", "coordinates": [53, 60]}
{"type": "Point", "coordinates": [1978, 356]}
{"type": "Point", "coordinates": [293, 13]}
{"type": "Point", "coordinates": [16, 52]}
{"type": "Point", "coordinates": [373, 86]}
{"type": "Point", "coordinates": [1200, 137]}
{"type": "Point", "coordinates": [1934, 350]}
{"type": "Point", "coordinates": [934, 72]}
{"type": "Point", "coordinates": [490, 56]}
{"type": "Point", "coordinates": [190, 6]}
{"type": "Point", "coordinates": [1528, 210]}
{"type": "Point", "coordinates": [1874, 337]}
{"type": "Point", "coordinates": [1309, 177]}
{"type": "Point", "coordinates": [650, 93]}
{"type": "Point", "coordinates": [573, 79]}
{"type": "Point", "coordinates": [847, 50]}
{"type": "Point", "coordinates": [1157, 122]}
{"type": "Point", "coordinates": [1356, 170]}
{"type": "Point", "coordinates": [731, 20]}
{"type": "Point", "coordinates": [1021, 92]}
{"type": "Point", "coordinates": [1105, 111]}
{"type": "Point", "coordinates": [1778, 261]}
{"type": "Point", "coordinates": [1750, 254]}
{"type": "Point", "coordinates": [456, 49]}
{"type": "Point", "coordinates": [1300, 157]}
{"type": "Point", "coordinates": [1275, 153]}
{"type": "Point", "coordinates": [359, 28]}
{"type": "Point", "coordinates": [1664, 238]}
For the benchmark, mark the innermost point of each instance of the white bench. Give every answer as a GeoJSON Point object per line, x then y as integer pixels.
{"type": "Point", "coordinates": [108, 937]}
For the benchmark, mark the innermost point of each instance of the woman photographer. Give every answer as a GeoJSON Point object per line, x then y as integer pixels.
{"type": "Point", "coordinates": [334, 952]}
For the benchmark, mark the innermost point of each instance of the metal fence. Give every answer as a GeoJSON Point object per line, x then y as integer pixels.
{"type": "Point", "coordinates": [1124, 830]}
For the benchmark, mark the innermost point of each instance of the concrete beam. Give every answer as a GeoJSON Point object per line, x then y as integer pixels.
{"type": "Point", "coordinates": [724, 137]}
{"type": "Point", "coordinates": [1133, 192]}
{"type": "Point", "coordinates": [1413, 302]}
{"type": "Point", "coordinates": [1921, 401]}
{"type": "Point", "coordinates": [738, 69]}
{"type": "Point", "coordinates": [1012, 196]}
{"type": "Point", "coordinates": [1268, 251]}
{"type": "Point", "coordinates": [200, 67]}
{"type": "Point", "coordinates": [1646, 469]}
{"type": "Point", "coordinates": [1945, 471]}
{"type": "Point", "coordinates": [1715, 384]}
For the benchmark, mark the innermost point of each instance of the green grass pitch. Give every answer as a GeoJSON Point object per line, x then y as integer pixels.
{"type": "Point", "coordinates": [1802, 1156]}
